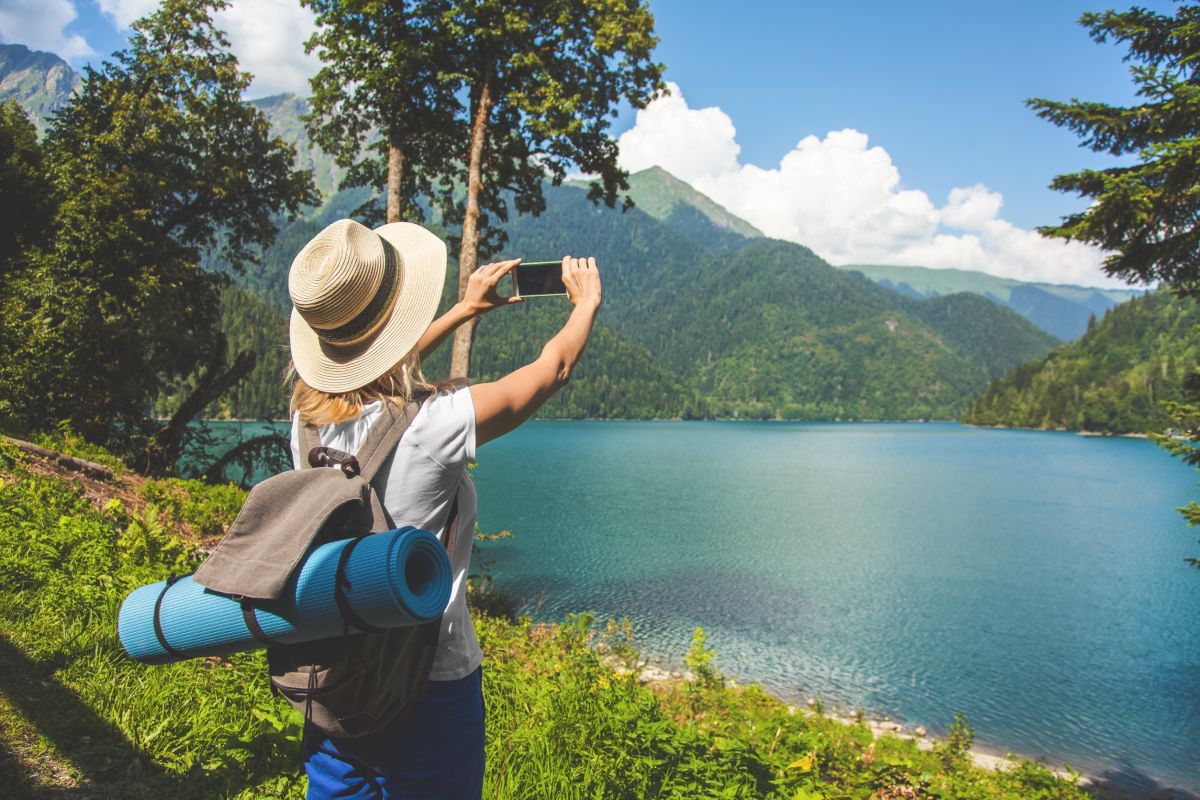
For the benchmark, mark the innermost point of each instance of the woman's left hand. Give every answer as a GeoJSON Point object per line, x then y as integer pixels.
{"type": "Point", "coordinates": [481, 295]}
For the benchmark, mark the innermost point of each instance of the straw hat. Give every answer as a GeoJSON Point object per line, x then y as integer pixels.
{"type": "Point", "coordinates": [361, 300]}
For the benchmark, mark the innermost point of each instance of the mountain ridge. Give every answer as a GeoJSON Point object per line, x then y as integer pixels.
{"type": "Point", "coordinates": [702, 317]}
{"type": "Point", "coordinates": [1062, 310]}
{"type": "Point", "coordinates": [41, 82]}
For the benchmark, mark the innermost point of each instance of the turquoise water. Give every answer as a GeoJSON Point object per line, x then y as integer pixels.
{"type": "Point", "coordinates": [1032, 580]}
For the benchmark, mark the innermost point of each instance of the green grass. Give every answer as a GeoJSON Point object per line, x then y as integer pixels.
{"type": "Point", "coordinates": [564, 721]}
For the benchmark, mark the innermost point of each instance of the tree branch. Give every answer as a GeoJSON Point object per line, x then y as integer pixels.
{"type": "Point", "coordinates": [164, 450]}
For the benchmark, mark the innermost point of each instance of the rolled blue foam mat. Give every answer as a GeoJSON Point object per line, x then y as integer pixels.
{"type": "Point", "coordinates": [396, 578]}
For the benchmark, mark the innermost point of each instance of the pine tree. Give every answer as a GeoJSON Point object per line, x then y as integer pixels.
{"type": "Point", "coordinates": [1148, 213]}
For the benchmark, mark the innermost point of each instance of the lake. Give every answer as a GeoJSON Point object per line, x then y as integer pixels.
{"type": "Point", "coordinates": [1033, 580]}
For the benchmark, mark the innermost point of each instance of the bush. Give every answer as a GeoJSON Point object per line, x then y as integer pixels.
{"type": "Point", "coordinates": [209, 509]}
{"type": "Point", "coordinates": [699, 658]}
{"type": "Point", "coordinates": [66, 441]}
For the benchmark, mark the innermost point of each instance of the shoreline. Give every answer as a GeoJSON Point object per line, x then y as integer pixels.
{"type": "Point", "coordinates": [869, 421]}
{"type": "Point", "coordinates": [656, 673]}
{"type": "Point", "coordinates": [1077, 432]}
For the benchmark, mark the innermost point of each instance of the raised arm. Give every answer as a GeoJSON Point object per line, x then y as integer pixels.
{"type": "Point", "coordinates": [500, 406]}
{"type": "Point", "coordinates": [481, 297]}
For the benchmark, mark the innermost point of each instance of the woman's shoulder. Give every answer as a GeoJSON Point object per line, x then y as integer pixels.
{"type": "Point", "coordinates": [445, 426]}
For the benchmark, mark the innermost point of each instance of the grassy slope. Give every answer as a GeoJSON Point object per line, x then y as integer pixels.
{"type": "Point", "coordinates": [77, 717]}
{"type": "Point", "coordinates": [659, 193]}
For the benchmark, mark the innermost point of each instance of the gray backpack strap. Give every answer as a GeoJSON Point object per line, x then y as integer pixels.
{"type": "Point", "coordinates": [451, 538]}
{"type": "Point", "coordinates": [381, 439]}
{"type": "Point", "coordinates": [385, 435]}
{"type": "Point", "coordinates": [310, 439]}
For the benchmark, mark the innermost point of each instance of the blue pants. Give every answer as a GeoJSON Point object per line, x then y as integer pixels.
{"type": "Point", "coordinates": [437, 754]}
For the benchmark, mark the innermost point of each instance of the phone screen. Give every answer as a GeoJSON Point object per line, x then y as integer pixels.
{"type": "Point", "coordinates": [539, 278]}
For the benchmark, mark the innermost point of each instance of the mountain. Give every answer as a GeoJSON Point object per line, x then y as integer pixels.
{"type": "Point", "coordinates": [1113, 380]}
{"type": "Point", "coordinates": [770, 329]}
{"type": "Point", "coordinates": [40, 82]}
{"type": "Point", "coordinates": [1061, 310]}
{"type": "Point", "coordinates": [285, 112]}
{"type": "Point", "coordinates": [686, 211]}
{"type": "Point", "coordinates": [676, 337]}
{"type": "Point", "coordinates": [703, 315]}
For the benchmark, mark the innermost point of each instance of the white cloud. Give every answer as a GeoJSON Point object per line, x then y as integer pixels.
{"type": "Point", "coordinates": [267, 36]}
{"type": "Point", "coordinates": [971, 207]}
{"type": "Point", "coordinates": [124, 12]}
{"type": "Point", "coordinates": [665, 124]}
{"type": "Point", "coordinates": [845, 199]}
{"type": "Point", "coordinates": [40, 25]}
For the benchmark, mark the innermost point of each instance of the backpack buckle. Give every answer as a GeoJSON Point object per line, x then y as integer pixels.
{"type": "Point", "coordinates": [331, 457]}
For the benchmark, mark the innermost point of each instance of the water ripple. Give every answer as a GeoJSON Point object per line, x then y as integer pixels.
{"type": "Point", "coordinates": [1032, 580]}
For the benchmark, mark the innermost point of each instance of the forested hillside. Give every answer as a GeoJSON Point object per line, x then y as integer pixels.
{"type": "Point", "coordinates": [701, 324]}
{"type": "Point", "coordinates": [703, 315]}
{"type": "Point", "coordinates": [249, 324]}
{"type": "Point", "coordinates": [1114, 379]}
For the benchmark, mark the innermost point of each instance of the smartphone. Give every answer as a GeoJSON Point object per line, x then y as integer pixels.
{"type": "Point", "coordinates": [538, 278]}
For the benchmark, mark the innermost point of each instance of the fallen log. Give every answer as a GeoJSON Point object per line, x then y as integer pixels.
{"type": "Point", "coordinates": [89, 468]}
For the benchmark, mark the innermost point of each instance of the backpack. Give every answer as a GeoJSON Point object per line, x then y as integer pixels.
{"type": "Point", "coordinates": [369, 679]}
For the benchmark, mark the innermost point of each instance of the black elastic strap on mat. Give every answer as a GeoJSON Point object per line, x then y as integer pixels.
{"type": "Point", "coordinates": [341, 584]}
{"type": "Point", "coordinates": [252, 625]}
{"type": "Point", "coordinates": [158, 631]}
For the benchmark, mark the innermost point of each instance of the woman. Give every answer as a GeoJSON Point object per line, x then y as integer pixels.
{"type": "Point", "coordinates": [360, 327]}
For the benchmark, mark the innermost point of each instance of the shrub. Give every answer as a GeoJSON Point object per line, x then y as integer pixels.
{"type": "Point", "coordinates": [207, 508]}
{"type": "Point", "coordinates": [699, 658]}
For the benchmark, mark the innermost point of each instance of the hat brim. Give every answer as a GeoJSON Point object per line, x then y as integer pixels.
{"type": "Point", "coordinates": [341, 369]}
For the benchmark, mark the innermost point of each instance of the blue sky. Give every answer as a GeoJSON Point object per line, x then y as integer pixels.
{"type": "Point", "coordinates": [919, 145]}
{"type": "Point", "coordinates": [940, 85]}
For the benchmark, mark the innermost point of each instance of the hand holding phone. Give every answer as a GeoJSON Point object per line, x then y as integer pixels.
{"type": "Point", "coordinates": [481, 295]}
{"type": "Point", "coordinates": [582, 280]}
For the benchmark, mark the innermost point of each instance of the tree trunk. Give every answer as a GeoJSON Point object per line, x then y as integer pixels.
{"type": "Point", "coordinates": [164, 450]}
{"type": "Point", "coordinates": [395, 204]}
{"type": "Point", "coordinates": [89, 468]}
{"type": "Point", "coordinates": [468, 254]}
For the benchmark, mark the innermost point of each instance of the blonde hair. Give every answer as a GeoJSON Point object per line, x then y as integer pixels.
{"type": "Point", "coordinates": [399, 384]}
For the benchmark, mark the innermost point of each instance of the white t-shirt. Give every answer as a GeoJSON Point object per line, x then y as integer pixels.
{"type": "Point", "coordinates": [416, 485]}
